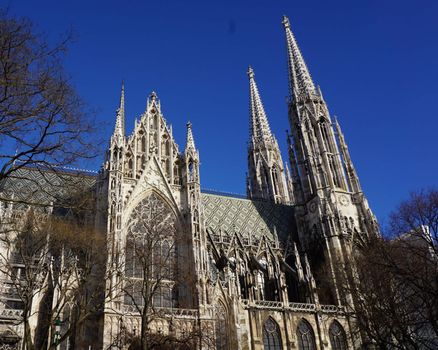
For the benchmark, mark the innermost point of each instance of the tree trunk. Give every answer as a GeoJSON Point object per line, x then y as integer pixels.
{"type": "Point", "coordinates": [144, 330]}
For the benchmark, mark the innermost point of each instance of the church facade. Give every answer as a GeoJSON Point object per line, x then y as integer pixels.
{"type": "Point", "coordinates": [250, 273]}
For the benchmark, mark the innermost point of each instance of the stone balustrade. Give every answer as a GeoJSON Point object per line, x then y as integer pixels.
{"type": "Point", "coordinates": [11, 314]}
{"type": "Point", "coordinates": [163, 311]}
{"type": "Point", "coordinates": [299, 307]}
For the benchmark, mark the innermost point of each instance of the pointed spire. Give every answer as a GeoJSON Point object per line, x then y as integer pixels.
{"type": "Point", "coordinates": [120, 120]}
{"type": "Point", "coordinates": [353, 179]}
{"type": "Point", "coordinates": [259, 126]}
{"type": "Point", "coordinates": [190, 143]}
{"type": "Point", "coordinates": [300, 81]}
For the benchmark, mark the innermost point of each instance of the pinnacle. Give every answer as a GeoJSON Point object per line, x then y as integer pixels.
{"type": "Point", "coordinates": [190, 143]}
{"type": "Point", "coordinates": [119, 129]}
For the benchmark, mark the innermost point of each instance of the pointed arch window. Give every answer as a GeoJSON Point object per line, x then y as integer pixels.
{"type": "Point", "coordinates": [305, 335]}
{"type": "Point", "coordinates": [271, 335]}
{"type": "Point", "coordinates": [275, 181]}
{"type": "Point", "coordinates": [221, 328]}
{"type": "Point", "coordinates": [130, 165]}
{"type": "Point", "coordinates": [191, 171]}
{"type": "Point", "coordinates": [150, 253]}
{"type": "Point", "coordinates": [143, 144]}
{"type": "Point", "coordinates": [338, 339]}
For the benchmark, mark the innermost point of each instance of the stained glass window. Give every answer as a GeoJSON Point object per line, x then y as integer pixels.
{"type": "Point", "coordinates": [338, 340]}
{"type": "Point", "coordinates": [306, 338]}
{"type": "Point", "coordinates": [271, 335]}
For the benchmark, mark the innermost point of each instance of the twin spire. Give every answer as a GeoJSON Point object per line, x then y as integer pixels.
{"type": "Point", "coordinates": [259, 125]}
{"type": "Point", "coordinates": [300, 81]}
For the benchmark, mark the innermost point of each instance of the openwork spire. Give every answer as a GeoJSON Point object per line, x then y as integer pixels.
{"type": "Point", "coordinates": [190, 143]}
{"type": "Point", "coordinates": [259, 126]}
{"type": "Point", "coordinates": [119, 129]}
{"type": "Point", "coordinates": [300, 81]}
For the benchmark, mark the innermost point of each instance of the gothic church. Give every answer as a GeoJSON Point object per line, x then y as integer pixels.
{"type": "Point", "coordinates": [263, 267]}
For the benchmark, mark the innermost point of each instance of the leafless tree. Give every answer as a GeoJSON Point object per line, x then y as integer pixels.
{"type": "Point", "coordinates": [394, 284]}
{"type": "Point", "coordinates": [43, 121]}
{"type": "Point", "coordinates": [52, 267]}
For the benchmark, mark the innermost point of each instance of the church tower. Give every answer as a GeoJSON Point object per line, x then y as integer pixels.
{"type": "Point", "coordinates": [266, 175]}
{"type": "Point", "coordinates": [331, 211]}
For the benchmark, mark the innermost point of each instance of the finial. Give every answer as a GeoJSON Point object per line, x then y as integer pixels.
{"type": "Point", "coordinates": [250, 72]}
{"type": "Point", "coordinates": [285, 22]}
{"type": "Point", "coordinates": [153, 96]}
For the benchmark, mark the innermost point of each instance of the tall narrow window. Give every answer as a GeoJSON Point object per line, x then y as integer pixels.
{"type": "Point", "coordinates": [338, 339]}
{"type": "Point", "coordinates": [143, 144]}
{"type": "Point", "coordinates": [221, 328]}
{"type": "Point", "coordinates": [306, 338]}
{"type": "Point", "coordinates": [271, 335]}
{"type": "Point", "coordinates": [191, 171]}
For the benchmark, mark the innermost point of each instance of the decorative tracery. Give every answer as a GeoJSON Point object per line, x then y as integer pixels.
{"type": "Point", "coordinates": [305, 335]}
{"type": "Point", "coordinates": [221, 328]}
{"type": "Point", "coordinates": [338, 339]}
{"type": "Point", "coordinates": [150, 254]}
{"type": "Point", "coordinates": [271, 335]}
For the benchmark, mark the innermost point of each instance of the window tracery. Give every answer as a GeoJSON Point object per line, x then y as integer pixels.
{"type": "Point", "coordinates": [338, 339]}
{"type": "Point", "coordinates": [306, 338]}
{"type": "Point", "coordinates": [150, 253]}
{"type": "Point", "coordinates": [221, 328]}
{"type": "Point", "coordinates": [271, 335]}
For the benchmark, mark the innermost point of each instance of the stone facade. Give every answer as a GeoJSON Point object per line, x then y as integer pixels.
{"type": "Point", "coordinates": [252, 261]}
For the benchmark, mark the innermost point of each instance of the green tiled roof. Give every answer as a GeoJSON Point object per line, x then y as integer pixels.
{"type": "Point", "coordinates": [43, 187]}
{"type": "Point", "coordinates": [248, 217]}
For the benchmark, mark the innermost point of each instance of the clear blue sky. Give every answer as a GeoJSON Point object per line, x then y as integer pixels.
{"type": "Point", "coordinates": [376, 63]}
